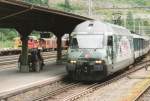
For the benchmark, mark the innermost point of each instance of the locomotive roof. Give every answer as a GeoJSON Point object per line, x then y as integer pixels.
{"type": "Point", "coordinates": [99, 27]}
{"type": "Point", "coordinates": [136, 35]}
{"type": "Point", "coordinates": [141, 36]}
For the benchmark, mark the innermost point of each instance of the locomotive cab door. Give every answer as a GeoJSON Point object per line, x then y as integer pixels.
{"type": "Point", "coordinates": [110, 49]}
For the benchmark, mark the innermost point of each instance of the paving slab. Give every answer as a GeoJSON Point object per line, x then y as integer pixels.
{"type": "Point", "coordinates": [11, 79]}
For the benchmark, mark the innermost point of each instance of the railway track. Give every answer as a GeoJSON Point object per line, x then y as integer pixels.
{"type": "Point", "coordinates": [6, 60]}
{"type": "Point", "coordinates": [4, 52]}
{"type": "Point", "coordinates": [144, 96]}
{"type": "Point", "coordinates": [67, 91]}
{"type": "Point", "coordinates": [97, 85]}
{"type": "Point", "coordinates": [7, 66]}
{"type": "Point", "coordinates": [55, 92]}
{"type": "Point", "coordinates": [8, 52]}
{"type": "Point", "coordinates": [44, 87]}
{"type": "Point", "coordinates": [81, 90]}
{"type": "Point", "coordinates": [72, 87]}
{"type": "Point", "coordinates": [74, 90]}
{"type": "Point", "coordinates": [12, 61]}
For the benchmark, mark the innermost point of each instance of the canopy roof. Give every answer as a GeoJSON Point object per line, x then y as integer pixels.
{"type": "Point", "coordinates": [21, 15]}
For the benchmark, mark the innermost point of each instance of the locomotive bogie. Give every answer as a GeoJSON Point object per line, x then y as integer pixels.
{"type": "Point", "coordinates": [84, 66]}
{"type": "Point", "coordinates": [87, 71]}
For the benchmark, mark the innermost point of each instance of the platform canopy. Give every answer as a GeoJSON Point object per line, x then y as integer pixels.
{"type": "Point", "coordinates": [21, 15]}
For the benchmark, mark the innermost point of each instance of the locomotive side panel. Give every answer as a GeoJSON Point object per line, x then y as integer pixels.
{"type": "Point", "coordinates": [123, 52]}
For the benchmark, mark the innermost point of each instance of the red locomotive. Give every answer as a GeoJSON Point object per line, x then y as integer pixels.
{"type": "Point", "coordinates": [46, 44]}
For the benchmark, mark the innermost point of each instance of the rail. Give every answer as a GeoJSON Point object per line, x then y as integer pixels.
{"type": "Point", "coordinates": [96, 86]}
{"type": "Point", "coordinates": [11, 61]}
{"type": "Point", "coordinates": [91, 88]}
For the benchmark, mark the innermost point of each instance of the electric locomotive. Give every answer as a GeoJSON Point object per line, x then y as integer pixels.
{"type": "Point", "coordinates": [98, 49]}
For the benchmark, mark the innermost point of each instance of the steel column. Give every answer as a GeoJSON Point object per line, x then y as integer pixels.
{"type": "Point", "coordinates": [24, 55]}
{"type": "Point", "coordinates": [59, 49]}
{"type": "Point", "coordinates": [24, 67]}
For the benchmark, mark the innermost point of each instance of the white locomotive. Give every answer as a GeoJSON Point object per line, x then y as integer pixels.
{"type": "Point", "coordinates": [98, 49]}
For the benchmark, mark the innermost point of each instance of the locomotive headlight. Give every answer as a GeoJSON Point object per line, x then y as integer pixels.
{"type": "Point", "coordinates": [98, 62]}
{"type": "Point", "coordinates": [73, 61]}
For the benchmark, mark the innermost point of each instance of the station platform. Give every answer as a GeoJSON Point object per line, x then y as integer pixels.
{"type": "Point", "coordinates": [11, 79]}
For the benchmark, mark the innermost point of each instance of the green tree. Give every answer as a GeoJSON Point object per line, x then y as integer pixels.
{"type": "Point", "coordinates": [8, 34]}
{"type": "Point", "coordinates": [41, 2]}
{"type": "Point", "coordinates": [146, 23]}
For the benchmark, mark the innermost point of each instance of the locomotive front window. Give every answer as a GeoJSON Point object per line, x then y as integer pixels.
{"type": "Point", "coordinates": [87, 41]}
{"type": "Point", "coordinates": [74, 43]}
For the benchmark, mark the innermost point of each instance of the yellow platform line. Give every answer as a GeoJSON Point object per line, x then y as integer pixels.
{"type": "Point", "coordinates": [137, 90]}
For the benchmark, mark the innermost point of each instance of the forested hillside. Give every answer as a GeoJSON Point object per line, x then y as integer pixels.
{"type": "Point", "coordinates": [130, 18]}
